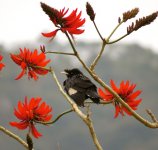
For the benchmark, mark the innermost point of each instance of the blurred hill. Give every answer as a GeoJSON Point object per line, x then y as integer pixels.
{"type": "Point", "coordinates": [119, 62]}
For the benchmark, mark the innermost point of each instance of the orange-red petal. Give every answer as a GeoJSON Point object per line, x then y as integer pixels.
{"type": "Point", "coordinates": [34, 131]}
{"type": "Point", "coordinates": [50, 34]}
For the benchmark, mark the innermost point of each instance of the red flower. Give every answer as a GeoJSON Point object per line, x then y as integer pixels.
{"type": "Point", "coordinates": [29, 113]}
{"type": "Point", "coordinates": [126, 92]}
{"type": "Point", "coordinates": [69, 23]}
{"type": "Point", "coordinates": [1, 64]}
{"type": "Point", "coordinates": [30, 63]}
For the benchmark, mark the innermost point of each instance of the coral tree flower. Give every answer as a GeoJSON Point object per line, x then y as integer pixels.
{"type": "Point", "coordinates": [66, 23]}
{"type": "Point", "coordinates": [30, 112]}
{"type": "Point", "coordinates": [126, 92]}
{"type": "Point", "coordinates": [30, 62]}
{"type": "Point", "coordinates": [1, 64]}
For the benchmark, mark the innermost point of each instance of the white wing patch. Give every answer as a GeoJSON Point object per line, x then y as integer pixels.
{"type": "Point", "coordinates": [72, 91]}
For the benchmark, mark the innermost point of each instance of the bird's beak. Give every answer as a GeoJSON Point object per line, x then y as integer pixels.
{"type": "Point", "coordinates": [63, 72]}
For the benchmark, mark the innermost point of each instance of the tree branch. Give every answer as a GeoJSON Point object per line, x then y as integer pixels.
{"type": "Point", "coordinates": [14, 136]}
{"type": "Point", "coordinates": [114, 30]}
{"type": "Point", "coordinates": [114, 41]}
{"type": "Point", "coordinates": [135, 115]}
{"type": "Point", "coordinates": [75, 108]}
{"type": "Point", "coordinates": [101, 82]}
{"type": "Point", "coordinates": [60, 53]}
{"type": "Point", "coordinates": [98, 31]}
{"type": "Point", "coordinates": [94, 63]}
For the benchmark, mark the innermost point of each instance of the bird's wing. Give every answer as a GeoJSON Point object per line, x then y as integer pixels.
{"type": "Point", "coordinates": [83, 82]}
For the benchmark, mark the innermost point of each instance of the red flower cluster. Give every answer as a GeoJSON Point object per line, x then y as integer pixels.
{"type": "Point", "coordinates": [126, 92]}
{"type": "Point", "coordinates": [30, 63]}
{"type": "Point", "coordinates": [69, 23]}
{"type": "Point", "coordinates": [29, 113]}
{"type": "Point", "coordinates": [1, 64]}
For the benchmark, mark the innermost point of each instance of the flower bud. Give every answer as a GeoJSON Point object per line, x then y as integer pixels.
{"type": "Point", "coordinates": [42, 48]}
{"type": "Point", "coordinates": [90, 11]}
{"type": "Point", "coordinates": [29, 142]}
{"type": "Point", "coordinates": [142, 22]}
{"type": "Point", "coordinates": [130, 14]}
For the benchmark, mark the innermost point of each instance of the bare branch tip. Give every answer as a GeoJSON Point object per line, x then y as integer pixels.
{"type": "Point", "coordinates": [152, 115]}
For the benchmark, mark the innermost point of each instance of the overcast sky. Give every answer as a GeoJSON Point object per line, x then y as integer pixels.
{"type": "Point", "coordinates": [24, 20]}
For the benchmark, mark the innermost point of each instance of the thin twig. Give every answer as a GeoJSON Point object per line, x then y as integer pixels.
{"type": "Point", "coordinates": [14, 136]}
{"type": "Point", "coordinates": [60, 53]}
{"type": "Point", "coordinates": [56, 119]}
{"type": "Point", "coordinates": [152, 115]}
{"type": "Point", "coordinates": [92, 132]}
{"type": "Point", "coordinates": [98, 31]}
{"type": "Point", "coordinates": [114, 41]}
{"type": "Point", "coordinates": [71, 43]}
{"type": "Point", "coordinates": [94, 63]}
{"type": "Point", "coordinates": [91, 128]}
{"type": "Point", "coordinates": [114, 30]}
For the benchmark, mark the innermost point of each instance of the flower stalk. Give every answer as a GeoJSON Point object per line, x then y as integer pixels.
{"type": "Point", "coordinates": [56, 119]}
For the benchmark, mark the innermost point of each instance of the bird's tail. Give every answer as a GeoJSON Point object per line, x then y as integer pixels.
{"type": "Point", "coordinates": [94, 96]}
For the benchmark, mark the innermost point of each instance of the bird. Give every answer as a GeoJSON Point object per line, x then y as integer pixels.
{"type": "Point", "coordinates": [79, 87]}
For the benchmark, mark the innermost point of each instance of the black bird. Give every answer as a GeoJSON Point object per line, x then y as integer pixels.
{"type": "Point", "coordinates": [80, 87]}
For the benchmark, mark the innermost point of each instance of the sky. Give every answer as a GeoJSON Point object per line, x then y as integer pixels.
{"type": "Point", "coordinates": [24, 20]}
